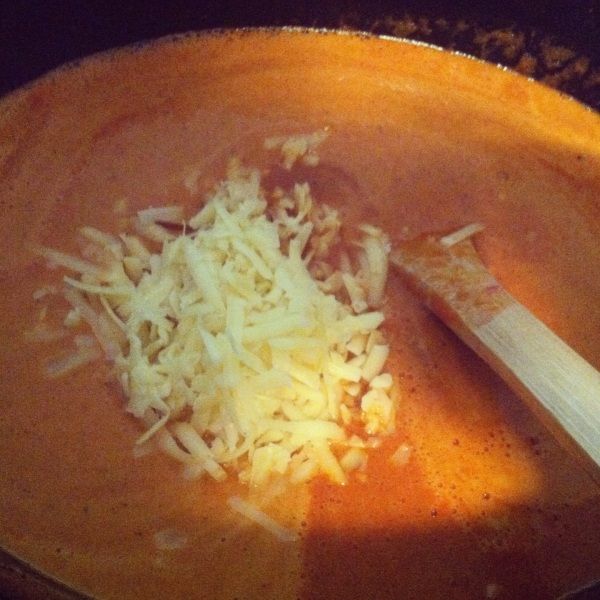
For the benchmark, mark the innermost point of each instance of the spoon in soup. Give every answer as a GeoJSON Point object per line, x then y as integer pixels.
{"type": "Point", "coordinates": [562, 388]}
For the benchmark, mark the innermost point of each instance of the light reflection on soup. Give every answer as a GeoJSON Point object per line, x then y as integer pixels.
{"type": "Point", "coordinates": [488, 503]}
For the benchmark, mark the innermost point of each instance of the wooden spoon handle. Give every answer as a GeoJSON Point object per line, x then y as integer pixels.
{"type": "Point", "coordinates": [557, 384]}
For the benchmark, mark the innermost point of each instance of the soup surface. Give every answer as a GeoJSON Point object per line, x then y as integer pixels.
{"type": "Point", "coordinates": [488, 505]}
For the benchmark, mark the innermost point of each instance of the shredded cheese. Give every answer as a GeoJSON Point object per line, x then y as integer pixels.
{"type": "Point", "coordinates": [252, 512]}
{"type": "Point", "coordinates": [461, 234]}
{"type": "Point", "coordinates": [402, 455]}
{"type": "Point", "coordinates": [303, 146]}
{"type": "Point", "coordinates": [170, 539]}
{"type": "Point", "coordinates": [240, 346]}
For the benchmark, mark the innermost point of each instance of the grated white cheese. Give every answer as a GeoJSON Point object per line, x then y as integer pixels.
{"type": "Point", "coordinates": [42, 332]}
{"type": "Point", "coordinates": [252, 512]}
{"type": "Point", "coordinates": [62, 366]}
{"type": "Point", "coordinates": [461, 234]}
{"type": "Point", "coordinates": [170, 539]}
{"type": "Point", "coordinates": [45, 290]}
{"type": "Point", "coordinates": [226, 341]}
{"type": "Point", "coordinates": [402, 455]}
{"type": "Point", "coordinates": [303, 146]}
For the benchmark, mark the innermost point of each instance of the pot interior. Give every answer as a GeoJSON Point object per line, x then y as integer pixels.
{"type": "Point", "coordinates": [420, 140]}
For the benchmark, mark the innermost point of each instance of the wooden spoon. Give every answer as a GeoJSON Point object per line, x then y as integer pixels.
{"type": "Point", "coordinates": [557, 384]}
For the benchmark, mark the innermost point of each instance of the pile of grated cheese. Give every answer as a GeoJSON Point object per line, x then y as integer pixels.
{"type": "Point", "coordinates": [244, 339]}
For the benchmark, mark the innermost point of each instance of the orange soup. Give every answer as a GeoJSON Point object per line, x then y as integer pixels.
{"type": "Point", "coordinates": [487, 505]}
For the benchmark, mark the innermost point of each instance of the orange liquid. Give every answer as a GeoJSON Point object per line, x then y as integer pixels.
{"type": "Point", "coordinates": [488, 502]}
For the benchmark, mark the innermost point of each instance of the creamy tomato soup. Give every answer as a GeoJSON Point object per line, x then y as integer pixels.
{"type": "Point", "coordinates": [487, 505]}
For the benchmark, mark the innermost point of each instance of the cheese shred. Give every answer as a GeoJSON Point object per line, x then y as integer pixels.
{"type": "Point", "coordinates": [241, 343]}
{"type": "Point", "coordinates": [252, 512]}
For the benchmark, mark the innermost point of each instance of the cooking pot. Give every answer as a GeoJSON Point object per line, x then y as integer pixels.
{"type": "Point", "coordinates": [553, 41]}
{"type": "Point", "coordinates": [541, 48]}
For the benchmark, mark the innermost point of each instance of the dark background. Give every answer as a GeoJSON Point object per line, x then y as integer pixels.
{"type": "Point", "coordinates": [556, 41]}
